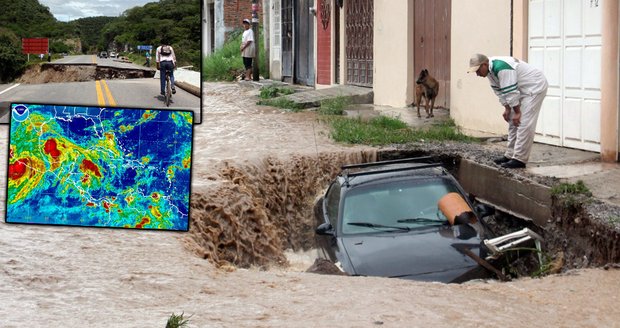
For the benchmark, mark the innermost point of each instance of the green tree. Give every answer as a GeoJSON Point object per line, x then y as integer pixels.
{"type": "Point", "coordinates": [27, 18]}
{"type": "Point", "coordinates": [177, 21]}
{"type": "Point", "coordinates": [57, 47]}
{"type": "Point", "coordinates": [90, 32]}
{"type": "Point", "coordinates": [12, 61]}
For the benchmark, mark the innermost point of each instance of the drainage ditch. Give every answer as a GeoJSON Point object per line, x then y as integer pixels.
{"type": "Point", "coordinates": [254, 213]}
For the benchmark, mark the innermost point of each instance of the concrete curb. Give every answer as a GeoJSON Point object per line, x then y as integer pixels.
{"type": "Point", "coordinates": [189, 88]}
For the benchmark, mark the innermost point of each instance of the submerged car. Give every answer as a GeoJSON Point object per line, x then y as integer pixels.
{"type": "Point", "coordinates": [404, 218]}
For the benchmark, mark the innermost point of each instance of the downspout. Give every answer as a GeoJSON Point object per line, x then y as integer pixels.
{"type": "Point", "coordinates": [511, 24]}
{"type": "Point", "coordinates": [266, 4]}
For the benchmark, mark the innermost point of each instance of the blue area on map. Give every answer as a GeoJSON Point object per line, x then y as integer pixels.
{"type": "Point", "coordinates": [108, 167]}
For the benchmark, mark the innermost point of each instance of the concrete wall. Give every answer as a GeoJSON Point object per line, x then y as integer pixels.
{"type": "Point", "coordinates": [522, 198]}
{"type": "Point", "coordinates": [393, 50]}
{"type": "Point", "coordinates": [610, 95]}
{"type": "Point", "coordinates": [220, 27]}
{"type": "Point", "coordinates": [478, 26]}
{"type": "Point", "coordinates": [519, 34]}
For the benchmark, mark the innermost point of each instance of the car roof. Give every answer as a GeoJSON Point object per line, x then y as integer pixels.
{"type": "Point", "coordinates": [418, 167]}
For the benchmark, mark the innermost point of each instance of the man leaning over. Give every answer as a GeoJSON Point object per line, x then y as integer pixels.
{"type": "Point", "coordinates": [521, 89]}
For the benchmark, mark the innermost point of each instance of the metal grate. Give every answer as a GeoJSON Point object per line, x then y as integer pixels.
{"type": "Point", "coordinates": [359, 47]}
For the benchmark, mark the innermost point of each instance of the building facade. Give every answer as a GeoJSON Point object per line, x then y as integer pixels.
{"type": "Point", "coordinates": [574, 42]}
{"type": "Point", "coordinates": [383, 44]}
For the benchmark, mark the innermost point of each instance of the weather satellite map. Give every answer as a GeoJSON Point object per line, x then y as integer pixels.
{"type": "Point", "coordinates": [101, 167]}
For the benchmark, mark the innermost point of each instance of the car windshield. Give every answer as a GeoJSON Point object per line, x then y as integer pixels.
{"type": "Point", "coordinates": [395, 206]}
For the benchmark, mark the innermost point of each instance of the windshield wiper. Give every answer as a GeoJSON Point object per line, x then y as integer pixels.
{"type": "Point", "coordinates": [414, 220]}
{"type": "Point", "coordinates": [375, 225]}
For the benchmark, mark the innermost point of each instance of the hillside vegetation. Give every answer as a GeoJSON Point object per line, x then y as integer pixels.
{"type": "Point", "coordinates": [177, 21]}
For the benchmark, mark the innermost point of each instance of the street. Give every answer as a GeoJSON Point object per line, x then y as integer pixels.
{"type": "Point", "coordinates": [246, 156]}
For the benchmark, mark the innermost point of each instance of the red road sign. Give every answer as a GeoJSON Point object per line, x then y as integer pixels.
{"type": "Point", "coordinates": [35, 45]}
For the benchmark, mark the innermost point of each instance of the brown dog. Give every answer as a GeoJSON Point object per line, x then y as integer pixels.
{"type": "Point", "coordinates": [427, 88]}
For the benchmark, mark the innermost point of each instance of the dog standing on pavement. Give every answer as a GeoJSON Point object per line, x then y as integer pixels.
{"type": "Point", "coordinates": [427, 88]}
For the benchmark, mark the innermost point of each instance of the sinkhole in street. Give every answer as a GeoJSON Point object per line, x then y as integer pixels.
{"type": "Point", "coordinates": [257, 212]}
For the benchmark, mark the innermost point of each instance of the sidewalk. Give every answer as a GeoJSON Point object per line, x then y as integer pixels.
{"type": "Point", "coordinates": [566, 164]}
{"type": "Point", "coordinates": [308, 96]}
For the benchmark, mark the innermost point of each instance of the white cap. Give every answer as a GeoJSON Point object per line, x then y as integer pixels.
{"type": "Point", "coordinates": [475, 61]}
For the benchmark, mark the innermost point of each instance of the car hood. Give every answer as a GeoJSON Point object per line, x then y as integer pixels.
{"type": "Point", "coordinates": [420, 255]}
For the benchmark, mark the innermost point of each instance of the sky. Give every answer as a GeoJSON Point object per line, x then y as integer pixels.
{"type": "Point", "coordinates": [67, 10]}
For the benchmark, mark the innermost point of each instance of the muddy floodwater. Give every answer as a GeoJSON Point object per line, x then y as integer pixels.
{"type": "Point", "coordinates": [256, 172]}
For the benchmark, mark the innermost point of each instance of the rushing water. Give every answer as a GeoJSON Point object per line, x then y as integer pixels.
{"type": "Point", "coordinates": [256, 172]}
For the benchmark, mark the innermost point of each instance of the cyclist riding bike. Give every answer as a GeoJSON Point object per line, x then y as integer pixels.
{"type": "Point", "coordinates": [166, 61]}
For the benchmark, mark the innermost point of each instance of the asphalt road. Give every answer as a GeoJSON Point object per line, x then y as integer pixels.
{"type": "Point", "coordinates": [80, 59]}
{"type": "Point", "coordinates": [92, 59]}
{"type": "Point", "coordinates": [130, 93]}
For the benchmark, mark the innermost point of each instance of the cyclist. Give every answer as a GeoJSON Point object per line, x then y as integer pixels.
{"type": "Point", "coordinates": [166, 61]}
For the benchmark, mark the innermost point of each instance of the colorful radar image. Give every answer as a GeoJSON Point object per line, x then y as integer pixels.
{"type": "Point", "coordinates": [99, 167]}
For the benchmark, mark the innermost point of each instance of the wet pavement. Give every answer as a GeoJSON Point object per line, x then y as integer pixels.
{"type": "Point", "coordinates": [51, 271]}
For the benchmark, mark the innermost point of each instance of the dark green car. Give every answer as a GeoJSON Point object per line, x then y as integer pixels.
{"type": "Point", "coordinates": [384, 219]}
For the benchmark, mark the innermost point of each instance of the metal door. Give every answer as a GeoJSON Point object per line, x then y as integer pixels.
{"type": "Point", "coordinates": [565, 42]}
{"type": "Point", "coordinates": [287, 40]}
{"type": "Point", "coordinates": [359, 41]}
{"type": "Point", "coordinates": [432, 44]}
{"type": "Point", "coordinates": [304, 43]}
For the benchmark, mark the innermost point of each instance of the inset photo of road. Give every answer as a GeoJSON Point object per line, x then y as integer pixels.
{"type": "Point", "coordinates": [102, 55]}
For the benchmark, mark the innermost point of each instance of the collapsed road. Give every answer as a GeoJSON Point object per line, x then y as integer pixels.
{"type": "Point", "coordinates": [58, 73]}
{"type": "Point", "coordinates": [91, 81]}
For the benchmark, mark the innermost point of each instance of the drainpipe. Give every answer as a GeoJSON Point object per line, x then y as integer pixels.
{"type": "Point", "coordinates": [512, 18]}
{"type": "Point", "coordinates": [255, 73]}
{"type": "Point", "coordinates": [267, 34]}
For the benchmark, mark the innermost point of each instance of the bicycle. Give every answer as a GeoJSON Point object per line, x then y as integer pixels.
{"type": "Point", "coordinates": [168, 92]}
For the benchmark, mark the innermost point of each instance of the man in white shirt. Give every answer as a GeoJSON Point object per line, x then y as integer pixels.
{"type": "Point", "coordinates": [247, 48]}
{"type": "Point", "coordinates": [166, 61]}
{"type": "Point", "coordinates": [521, 89]}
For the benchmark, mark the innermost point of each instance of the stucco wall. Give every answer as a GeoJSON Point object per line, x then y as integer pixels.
{"type": "Point", "coordinates": [478, 26]}
{"type": "Point", "coordinates": [220, 27]}
{"type": "Point", "coordinates": [275, 38]}
{"type": "Point", "coordinates": [393, 48]}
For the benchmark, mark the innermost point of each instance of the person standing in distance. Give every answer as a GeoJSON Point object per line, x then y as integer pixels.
{"type": "Point", "coordinates": [166, 61]}
{"type": "Point", "coordinates": [521, 89]}
{"type": "Point", "coordinates": [147, 55]}
{"type": "Point", "coordinates": [247, 49]}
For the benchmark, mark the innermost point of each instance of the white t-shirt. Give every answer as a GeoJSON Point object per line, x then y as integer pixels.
{"type": "Point", "coordinates": [159, 57]}
{"type": "Point", "coordinates": [248, 35]}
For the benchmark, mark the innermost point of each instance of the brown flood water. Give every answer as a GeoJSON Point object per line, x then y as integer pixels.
{"type": "Point", "coordinates": [245, 159]}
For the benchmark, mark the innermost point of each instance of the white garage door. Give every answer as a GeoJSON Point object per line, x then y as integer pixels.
{"type": "Point", "coordinates": [565, 41]}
